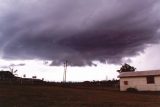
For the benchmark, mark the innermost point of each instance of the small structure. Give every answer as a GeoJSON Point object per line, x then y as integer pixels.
{"type": "Point", "coordinates": [140, 80]}
{"type": "Point", "coordinates": [6, 75]}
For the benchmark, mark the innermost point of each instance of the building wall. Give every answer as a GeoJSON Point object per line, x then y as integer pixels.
{"type": "Point", "coordinates": [140, 83]}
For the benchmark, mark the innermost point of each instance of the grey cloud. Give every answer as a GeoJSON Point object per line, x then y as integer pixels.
{"type": "Point", "coordinates": [12, 65]}
{"type": "Point", "coordinates": [21, 64]}
{"type": "Point", "coordinates": [78, 31]}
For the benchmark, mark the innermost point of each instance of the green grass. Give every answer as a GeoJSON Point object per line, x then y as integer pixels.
{"type": "Point", "coordinates": [51, 96]}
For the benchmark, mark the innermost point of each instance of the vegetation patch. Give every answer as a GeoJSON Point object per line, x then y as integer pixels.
{"type": "Point", "coordinates": [132, 90]}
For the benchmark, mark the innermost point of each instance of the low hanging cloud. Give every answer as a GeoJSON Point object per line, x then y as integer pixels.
{"type": "Point", "coordinates": [12, 65]}
{"type": "Point", "coordinates": [80, 31]}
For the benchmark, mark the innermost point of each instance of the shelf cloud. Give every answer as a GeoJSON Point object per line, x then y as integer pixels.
{"type": "Point", "coordinates": [81, 31]}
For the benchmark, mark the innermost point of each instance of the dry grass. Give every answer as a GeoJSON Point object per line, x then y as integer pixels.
{"type": "Point", "coordinates": [43, 96]}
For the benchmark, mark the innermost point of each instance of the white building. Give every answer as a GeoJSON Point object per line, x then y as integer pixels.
{"type": "Point", "coordinates": [140, 80]}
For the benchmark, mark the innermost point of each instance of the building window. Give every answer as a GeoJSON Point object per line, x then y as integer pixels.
{"type": "Point", "coordinates": [150, 80]}
{"type": "Point", "coordinates": [125, 82]}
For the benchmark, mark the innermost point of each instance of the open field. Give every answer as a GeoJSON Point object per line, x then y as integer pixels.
{"type": "Point", "coordinates": [52, 96]}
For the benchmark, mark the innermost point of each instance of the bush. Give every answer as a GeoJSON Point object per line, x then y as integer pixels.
{"type": "Point", "coordinates": [132, 90]}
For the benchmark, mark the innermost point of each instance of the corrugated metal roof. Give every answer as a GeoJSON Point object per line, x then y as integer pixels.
{"type": "Point", "coordinates": [139, 73]}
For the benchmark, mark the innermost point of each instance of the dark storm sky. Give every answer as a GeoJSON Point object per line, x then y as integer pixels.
{"type": "Point", "coordinates": [80, 31]}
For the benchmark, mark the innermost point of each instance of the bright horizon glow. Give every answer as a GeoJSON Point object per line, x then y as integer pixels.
{"type": "Point", "coordinates": [53, 73]}
{"type": "Point", "coordinates": [101, 72]}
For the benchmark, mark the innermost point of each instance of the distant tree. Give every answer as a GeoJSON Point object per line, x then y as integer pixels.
{"type": "Point", "coordinates": [14, 72]}
{"type": "Point", "coordinates": [126, 68]}
{"type": "Point", "coordinates": [34, 77]}
{"type": "Point", "coordinates": [24, 75]}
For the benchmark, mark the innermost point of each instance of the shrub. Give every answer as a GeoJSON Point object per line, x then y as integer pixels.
{"type": "Point", "coordinates": [132, 90]}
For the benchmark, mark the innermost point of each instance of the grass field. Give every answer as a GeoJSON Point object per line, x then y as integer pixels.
{"type": "Point", "coordinates": [52, 96]}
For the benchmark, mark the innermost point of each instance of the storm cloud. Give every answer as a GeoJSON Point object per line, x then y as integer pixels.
{"type": "Point", "coordinates": [81, 31]}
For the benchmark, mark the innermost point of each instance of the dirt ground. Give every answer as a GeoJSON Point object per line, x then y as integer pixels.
{"type": "Point", "coordinates": [52, 96]}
